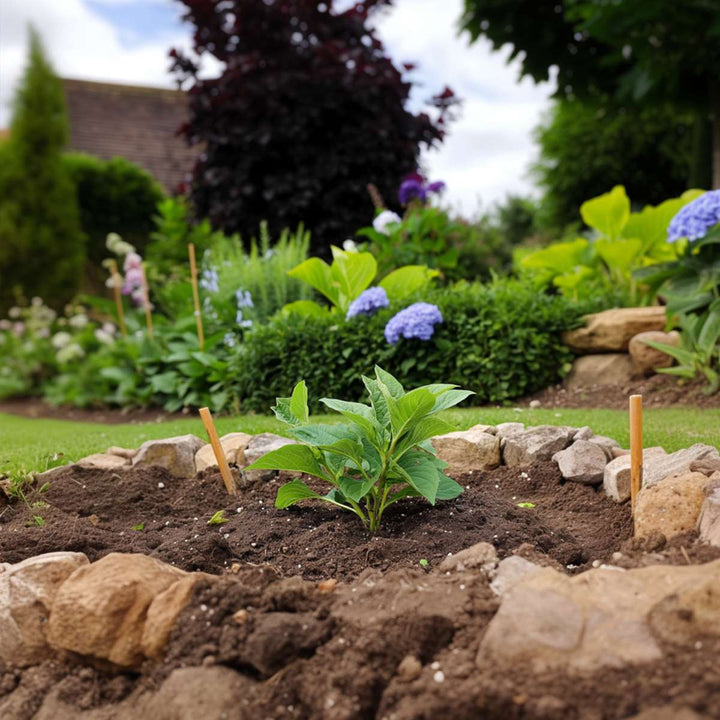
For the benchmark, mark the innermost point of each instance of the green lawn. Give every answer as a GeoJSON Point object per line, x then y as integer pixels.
{"type": "Point", "coordinates": [32, 444]}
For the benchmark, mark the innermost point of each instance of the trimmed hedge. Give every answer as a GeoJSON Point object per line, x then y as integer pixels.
{"type": "Point", "coordinates": [503, 341]}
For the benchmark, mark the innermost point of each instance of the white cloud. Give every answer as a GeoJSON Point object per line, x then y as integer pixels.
{"type": "Point", "coordinates": [485, 155]}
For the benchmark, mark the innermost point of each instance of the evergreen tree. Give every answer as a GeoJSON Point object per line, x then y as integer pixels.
{"type": "Point", "coordinates": [41, 243]}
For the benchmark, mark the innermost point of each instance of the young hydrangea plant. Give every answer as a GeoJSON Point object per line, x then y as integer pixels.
{"type": "Point", "coordinates": [380, 456]}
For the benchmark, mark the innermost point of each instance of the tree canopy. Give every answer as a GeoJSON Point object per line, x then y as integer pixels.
{"type": "Point", "coordinates": [307, 111]}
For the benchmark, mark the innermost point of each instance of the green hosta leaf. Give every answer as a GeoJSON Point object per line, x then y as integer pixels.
{"type": "Point", "coordinates": [293, 492]}
{"type": "Point", "coordinates": [298, 402]}
{"type": "Point", "coordinates": [558, 258]}
{"type": "Point", "coordinates": [316, 272]}
{"type": "Point", "coordinates": [448, 489]}
{"type": "Point", "coordinates": [352, 272]}
{"type": "Point", "coordinates": [295, 458]}
{"type": "Point", "coordinates": [607, 213]}
{"type": "Point", "coordinates": [407, 280]}
{"type": "Point", "coordinates": [305, 308]}
{"type": "Point", "coordinates": [619, 254]}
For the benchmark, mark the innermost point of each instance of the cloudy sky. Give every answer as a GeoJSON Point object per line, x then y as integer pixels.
{"type": "Point", "coordinates": [485, 156]}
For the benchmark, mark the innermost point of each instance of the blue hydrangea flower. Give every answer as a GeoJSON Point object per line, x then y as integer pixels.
{"type": "Point", "coordinates": [368, 302]}
{"type": "Point", "coordinates": [209, 280]}
{"type": "Point", "coordinates": [696, 218]}
{"type": "Point", "coordinates": [417, 321]}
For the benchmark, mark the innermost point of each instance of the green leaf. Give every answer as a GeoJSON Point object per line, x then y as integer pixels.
{"type": "Point", "coordinates": [448, 489]}
{"type": "Point", "coordinates": [305, 308]}
{"type": "Point", "coordinates": [619, 254]}
{"type": "Point", "coordinates": [450, 398]}
{"type": "Point", "coordinates": [410, 408]}
{"type": "Point", "coordinates": [425, 429]}
{"type": "Point", "coordinates": [377, 399]}
{"type": "Point", "coordinates": [385, 378]}
{"type": "Point", "coordinates": [683, 356]}
{"type": "Point", "coordinates": [293, 492]}
{"type": "Point", "coordinates": [360, 414]}
{"type": "Point", "coordinates": [354, 488]}
{"type": "Point", "coordinates": [420, 471]}
{"type": "Point", "coordinates": [165, 383]}
{"type": "Point", "coordinates": [407, 280]}
{"type": "Point", "coordinates": [295, 458]}
{"type": "Point", "coordinates": [316, 272]}
{"type": "Point", "coordinates": [324, 433]}
{"type": "Point", "coordinates": [352, 272]}
{"type": "Point", "coordinates": [138, 527]}
{"type": "Point", "coordinates": [607, 213]}
{"type": "Point", "coordinates": [218, 518]}
{"type": "Point", "coordinates": [298, 402]}
{"type": "Point", "coordinates": [526, 505]}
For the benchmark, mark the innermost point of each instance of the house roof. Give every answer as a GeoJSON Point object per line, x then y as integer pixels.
{"type": "Point", "coordinates": [137, 123]}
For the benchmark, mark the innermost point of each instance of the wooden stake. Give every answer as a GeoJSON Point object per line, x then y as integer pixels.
{"type": "Point", "coordinates": [196, 295]}
{"type": "Point", "coordinates": [146, 302]}
{"type": "Point", "coordinates": [636, 447]}
{"type": "Point", "coordinates": [116, 282]}
{"type": "Point", "coordinates": [222, 462]}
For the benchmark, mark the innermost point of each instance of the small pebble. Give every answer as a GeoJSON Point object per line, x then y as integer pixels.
{"type": "Point", "coordinates": [439, 676]}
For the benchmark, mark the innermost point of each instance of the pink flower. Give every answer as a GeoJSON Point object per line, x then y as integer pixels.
{"type": "Point", "coordinates": [132, 261]}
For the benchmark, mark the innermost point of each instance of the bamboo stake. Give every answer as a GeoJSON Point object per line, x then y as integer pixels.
{"type": "Point", "coordinates": [196, 295]}
{"type": "Point", "coordinates": [222, 462]}
{"type": "Point", "coordinates": [636, 448]}
{"type": "Point", "coordinates": [146, 302]}
{"type": "Point", "coordinates": [115, 277]}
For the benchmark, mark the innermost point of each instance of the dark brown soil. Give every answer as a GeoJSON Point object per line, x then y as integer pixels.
{"type": "Point", "coordinates": [148, 511]}
{"type": "Point", "coordinates": [657, 391]}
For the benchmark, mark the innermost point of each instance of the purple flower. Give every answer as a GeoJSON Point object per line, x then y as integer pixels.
{"type": "Point", "coordinates": [436, 187]}
{"type": "Point", "coordinates": [412, 189]}
{"type": "Point", "coordinates": [696, 218]}
{"type": "Point", "coordinates": [417, 321]}
{"type": "Point", "coordinates": [368, 302]}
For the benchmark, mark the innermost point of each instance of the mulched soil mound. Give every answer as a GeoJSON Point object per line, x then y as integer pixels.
{"type": "Point", "coordinates": [148, 511]}
{"type": "Point", "coordinates": [657, 391]}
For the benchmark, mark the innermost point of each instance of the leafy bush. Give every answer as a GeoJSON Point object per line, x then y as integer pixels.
{"type": "Point", "coordinates": [113, 196]}
{"type": "Point", "coordinates": [382, 455]}
{"type": "Point", "coordinates": [307, 111]}
{"type": "Point", "coordinates": [502, 341]}
{"type": "Point", "coordinates": [604, 264]}
{"type": "Point", "coordinates": [41, 243]}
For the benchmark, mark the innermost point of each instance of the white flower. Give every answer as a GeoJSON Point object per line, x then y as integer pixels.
{"type": "Point", "coordinates": [386, 218]}
{"type": "Point", "coordinates": [78, 321]}
{"type": "Point", "coordinates": [108, 328]}
{"type": "Point", "coordinates": [14, 312]}
{"type": "Point", "coordinates": [61, 339]}
{"type": "Point", "coordinates": [350, 246]}
{"type": "Point", "coordinates": [69, 352]}
{"type": "Point", "coordinates": [5, 325]}
{"type": "Point", "coordinates": [103, 337]}
{"type": "Point", "coordinates": [36, 302]}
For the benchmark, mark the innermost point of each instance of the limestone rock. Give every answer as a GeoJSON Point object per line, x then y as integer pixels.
{"type": "Point", "coordinates": [27, 592]}
{"type": "Point", "coordinates": [101, 609]}
{"type": "Point", "coordinates": [647, 360]}
{"type": "Point", "coordinates": [164, 610]}
{"type": "Point", "coordinates": [583, 433]}
{"type": "Point", "coordinates": [658, 468]}
{"type": "Point", "coordinates": [601, 618]}
{"type": "Point", "coordinates": [233, 444]}
{"type": "Point", "coordinates": [671, 506]}
{"type": "Point", "coordinates": [590, 370]}
{"type": "Point", "coordinates": [616, 477]}
{"type": "Point", "coordinates": [103, 461]}
{"type": "Point", "coordinates": [510, 571]}
{"type": "Point", "coordinates": [612, 330]}
{"type": "Point", "coordinates": [128, 453]}
{"type": "Point", "coordinates": [198, 692]}
{"type": "Point", "coordinates": [537, 443]}
{"type": "Point", "coordinates": [504, 430]}
{"type": "Point", "coordinates": [608, 445]}
{"type": "Point", "coordinates": [481, 556]}
{"type": "Point", "coordinates": [257, 447]}
{"type": "Point", "coordinates": [468, 450]}
{"type": "Point", "coordinates": [709, 519]}
{"type": "Point", "coordinates": [707, 465]}
{"type": "Point", "coordinates": [176, 454]}
{"type": "Point", "coordinates": [583, 462]}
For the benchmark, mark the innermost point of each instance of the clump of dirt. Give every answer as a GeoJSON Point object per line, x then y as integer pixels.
{"type": "Point", "coordinates": [148, 511]}
{"type": "Point", "coordinates": [657, 391]}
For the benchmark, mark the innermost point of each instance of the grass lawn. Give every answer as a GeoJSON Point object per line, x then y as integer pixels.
{"type": "Point", "coordinates": [33, 444]}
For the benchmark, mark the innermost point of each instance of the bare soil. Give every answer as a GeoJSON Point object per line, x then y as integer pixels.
{"type": "Point", "coordinates": [391, 641]}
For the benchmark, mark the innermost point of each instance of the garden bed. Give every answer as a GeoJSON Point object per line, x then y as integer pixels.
{"type": "Point", "coordinates": [271, 633]}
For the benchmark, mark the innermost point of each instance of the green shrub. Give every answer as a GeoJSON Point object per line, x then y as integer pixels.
{"type": "Point", "coordinates": [502, 341]}
{"type": "Point", "coordinates": [113, 196]}
{"type": "Point", "coordinates": [41, 243]}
